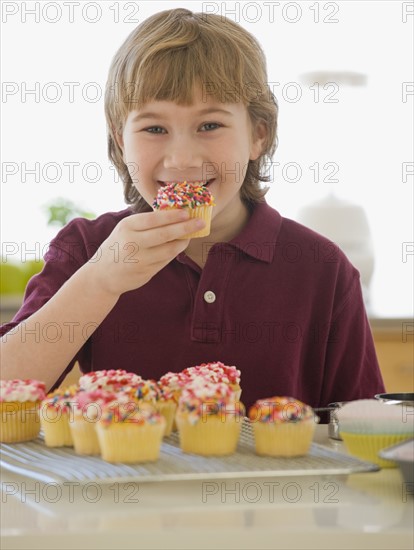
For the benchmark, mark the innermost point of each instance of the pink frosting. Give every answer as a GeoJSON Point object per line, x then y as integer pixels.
{"type": "Point", "coordinates": [173, 381]}
{"type": "Point", "coordinates": [90, 404]}
{"type": "Point", "coordinates": [22, 390]}
{"type": "Point", "coordinates": [63, 399]}
{"type": "Point", "coordinates": [108, 379]}
{"type": "Point", "coordinates": [202, 397]}
{"type": "Point", "coordinates": [84, 398]}
{"type": "Point", "coordinates": [215, 372]}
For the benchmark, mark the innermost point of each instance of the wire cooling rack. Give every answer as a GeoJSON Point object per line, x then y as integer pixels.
{"type": "Point", "coordinates": [59, 465]}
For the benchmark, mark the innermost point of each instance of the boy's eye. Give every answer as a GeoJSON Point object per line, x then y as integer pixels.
{"type": "Point", "coordinates": [154, 130]}
{"type": "Point", "coordinates": [211, 126]}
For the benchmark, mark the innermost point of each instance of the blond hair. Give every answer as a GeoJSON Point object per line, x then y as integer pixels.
{"type": "Point", "coordinates": [169, 54]}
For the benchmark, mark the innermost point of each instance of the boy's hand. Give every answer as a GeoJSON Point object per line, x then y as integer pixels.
{"type": "Point", "coordinates": [139, 247]}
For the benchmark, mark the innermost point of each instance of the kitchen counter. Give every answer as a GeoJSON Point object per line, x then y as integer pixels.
{"type": "Point", "coordinates": [368, 510]}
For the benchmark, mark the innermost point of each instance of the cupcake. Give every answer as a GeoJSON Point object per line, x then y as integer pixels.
{"type": "Point", "coordinates": [19, 405]}
{"type": "Point", "coordinates": [130, 432]}
{"type": "Point", "coordinates": [55, 416]}
{"type": "Point", "coordinates": [108, 380]}
{"type": "Point", "coordinates": [149, 391]}
{"type": "Point", "coordinates": [367, 426]}
{"type": "Point", "coordinates": [195, 196]}
{"type": "Point", "coordinates": [217, 372]}
{"type": "Point", "coordinates": [171, 385]}
{"type": "Point", "coordinates": [86, 412]}
{"type": "Point", "coordinates": [167, 406]}
{"type": "Point", "coordinates": [282, 426]}
{"type": "Point", "coordinates": [208, 418]}
{"type": "Point", "coordinates": [146, 391]}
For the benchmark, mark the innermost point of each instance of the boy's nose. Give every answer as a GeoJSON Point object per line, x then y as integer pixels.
{"type": "Point", "coordinates": [182, 154]}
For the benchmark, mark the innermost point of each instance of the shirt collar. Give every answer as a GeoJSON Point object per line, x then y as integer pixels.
{"type": "Point", "coordinates": [258, 238]}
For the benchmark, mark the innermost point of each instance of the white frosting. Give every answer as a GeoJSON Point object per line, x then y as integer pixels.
{"type": "Point", "coordinates": [107, 379]}
{"type": "Point", "coordinates": [21, 390]}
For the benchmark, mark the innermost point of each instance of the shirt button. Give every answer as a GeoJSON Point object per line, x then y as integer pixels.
{"type": "Point", "coordinates": [209, 296]}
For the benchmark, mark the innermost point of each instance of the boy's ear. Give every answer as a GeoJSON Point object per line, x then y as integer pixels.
{"type": "Point", "coordinates": [258, 140]}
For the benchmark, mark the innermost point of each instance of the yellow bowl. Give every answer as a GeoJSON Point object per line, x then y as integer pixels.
{"type": "Point", "coordinates": [367, 446]}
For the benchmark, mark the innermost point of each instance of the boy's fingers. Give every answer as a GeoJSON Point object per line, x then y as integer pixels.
{"type": "Point", "coordinates": [150, 220]}
{"type": "Point", "coordinates": [164, 253]}
{"type": "Point", "coordinates": [164, 234]}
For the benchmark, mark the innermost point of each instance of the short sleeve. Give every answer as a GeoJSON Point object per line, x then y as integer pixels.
{"type": "Point", "coordinates": [72, 247]}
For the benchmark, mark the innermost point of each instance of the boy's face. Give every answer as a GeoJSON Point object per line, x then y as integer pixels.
{"type": "Point", "coordinates": [208, 141]}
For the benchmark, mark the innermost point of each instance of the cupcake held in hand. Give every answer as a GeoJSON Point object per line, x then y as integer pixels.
{"type": "Point", "coordinates": [282, 426]}
{"type": "Point", "coordinates": [194, 196]}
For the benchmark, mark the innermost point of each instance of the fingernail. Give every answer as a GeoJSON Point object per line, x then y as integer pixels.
{"type": "Point", "coordinates": [200, 223]}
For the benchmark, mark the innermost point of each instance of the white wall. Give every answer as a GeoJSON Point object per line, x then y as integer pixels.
{"type": "Point", "coordinates": [368, 133]}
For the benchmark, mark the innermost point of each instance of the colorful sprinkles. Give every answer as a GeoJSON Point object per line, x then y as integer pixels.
{"type": "Point", "coordinates": [61, 399]}
{"type": "Point", "coordinates": [22, 390]}
{"type": "Point", "coordinates": [122, 410]}
{"type": "Point", "coordinates": [280, 410]}
{"type": "Point", "coordinates": [146, 390]}
{"type": "Point", "coordinates": [202, 397]}
{"type": "Point", "coordinates": [183, 195]}
{"type": "Point", "coordinates": [89, 404]}
{"type": "Point", "coordinates": [108, 380]}
{"type": "Point", "coordinates": [215, 372]}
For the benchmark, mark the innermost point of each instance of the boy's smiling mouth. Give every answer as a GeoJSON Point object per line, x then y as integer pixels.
{"type": "Point", "coordinates": [206, 184]}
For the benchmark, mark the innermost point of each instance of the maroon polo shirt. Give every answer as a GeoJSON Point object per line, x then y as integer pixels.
{"type": "Point", "coordinates": [280, 302]}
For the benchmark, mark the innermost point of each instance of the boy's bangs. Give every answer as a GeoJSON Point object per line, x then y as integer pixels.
{"type": "Point", "coordinates": [175, 75]}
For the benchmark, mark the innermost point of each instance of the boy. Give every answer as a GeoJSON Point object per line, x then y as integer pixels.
{"type": "Point", "coordinates": [187, 99]}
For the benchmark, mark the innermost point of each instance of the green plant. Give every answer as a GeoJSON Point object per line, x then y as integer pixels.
{"type": "Point", "coordinates": [62, 211]}
{"type": "Point", "coordinates": [15, 276]}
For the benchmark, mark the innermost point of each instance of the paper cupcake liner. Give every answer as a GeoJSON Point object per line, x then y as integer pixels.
{"type": "Point", "coordinates": [367, 446]}
{"type": "Point", "coordinates": [129, 442]}
{"type": "Point", "coordinates": [56, 432]}
{"type": "Point", "coordinates": [210, 437]}
{"type": "Point", "coordinates": [203, 213]}
{"type": "Point", "coordinates": [237, 390]}
{"type": "Point", "coordinates": [283, 439]}
{"type": "Point", "coordinates": [19, 421]}
{"type": "Point", "coordinates": [85, 438]}
{"type": "Point", "coordinates": [167, 409]}
{"type": "Point", "coordinates": [176, 397]}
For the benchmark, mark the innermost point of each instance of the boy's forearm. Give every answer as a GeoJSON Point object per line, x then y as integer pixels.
{"type": "Point", "coordinates": [43, 345]}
